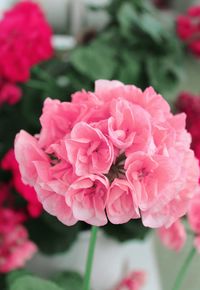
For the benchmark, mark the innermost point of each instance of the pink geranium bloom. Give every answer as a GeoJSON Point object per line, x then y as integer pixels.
{"type": "Point", "coordinates": [25, 40]}
{"type": "Point", "coordinates": [87, 198]}
{"type": "Point", "coordinates": [173, 237]}
{"type": "Point", "coordinates": [116, 149]}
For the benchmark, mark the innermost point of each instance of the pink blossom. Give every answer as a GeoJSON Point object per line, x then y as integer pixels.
{"type": "Point", "coordinates": [173, 237]}
{"type": "Point", "coordinates": [134, 281]}
{"type": "Point", "coordinates": [15, 247]}
{"type": "Point", "coordinates": [9, 93]}
{"type": "Point", "coordinates": [116, 149]}
{"type": "Point", "coordinates": [89, 151]}
{"type": "Point", "coordinates": [120, 205]}
{"type": "Point", "coordinates": [194, 214]}
{"type": "Point", "coordinates": [25, 40]}
{"type": "Point", "coordinates": [87, 198]}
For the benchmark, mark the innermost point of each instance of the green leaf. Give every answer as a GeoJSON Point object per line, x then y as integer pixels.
{"type": "Point", "coordinates": [69, 280]}
{"type": "Point", "coordinates": [129, 68]}
{"type": "Point", "coordinates": [126, 17]}
{"type": "Point", "coordinates": [163, 74]}
{"type": "Point", "coordinates": [150, 25]}
{"type": "Point", "coordinates": [50, 235]}
{"type": "Point", "coordinates": [33, 283]}
{"type": "Point", "coordinates": [14, 275]}
{"type": "Point", "coordinates": [95, 61]}
{"type": "Point", "coordinates": [129, 231]}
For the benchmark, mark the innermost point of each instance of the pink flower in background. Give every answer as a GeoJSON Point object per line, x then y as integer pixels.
{"type": "Point", "coordinates": [133, 281]}
{"type": "Point", "coordinates": [15, 247]}
{"type": "Point", "coordinates": [116, 152]}
{"type": "Point", "coordinates": [188, 29]}
{"type": "Point", "coordinates": [25, 40]}
{"type": "Point", "coordinates": [9, 93]}
{"type": "Point", "coordinates": [173, 237]}
{"type": "Point", "coordinates": [194, 214]}
{"type": "Point", "coordinates": [27, 192]}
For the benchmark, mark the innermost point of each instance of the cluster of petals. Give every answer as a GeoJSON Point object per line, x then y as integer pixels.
{"type": "Point", "coordinates": [25, 40]}
{"type": "Point", "coordinates": [190, 105]}
{"type": "Point", "coordinates": [188, 29]}
{"type": "Point", "coordinates": [114, 154]}
{"type": "Point", "coordinates": [133, 281]}
{"type": "Point", "coordinates": [15, 246]}
{"type": "Point", "coordinates": [9, 163]}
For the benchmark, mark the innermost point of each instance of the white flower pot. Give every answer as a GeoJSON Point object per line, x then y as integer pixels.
{"type": "Point", "coordinates": [171, 262]}
{"type": "Point", "coordinates": [111, 260]}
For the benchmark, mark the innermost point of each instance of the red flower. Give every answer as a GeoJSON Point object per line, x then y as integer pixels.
{"type": "Point", "coordinates": [25, 40]}
{"type": "Point", "coordinates": [188, 29]}
{"type": "Point", "coordinates": [9, 93]}
{"type": "Point", "coordinates": [190, 104]}
{"type": "Point", "coordinates": [27, 192]}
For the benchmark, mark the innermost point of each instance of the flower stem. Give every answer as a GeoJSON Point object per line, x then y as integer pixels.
{"type": "Point", "coordinates": [88, 270]}
{"type": "Point", "coordinates": [183, 270]}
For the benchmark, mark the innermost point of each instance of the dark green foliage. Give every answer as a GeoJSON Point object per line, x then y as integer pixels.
{"type": "Point", "coordinates": [50, 235]}
{"type": "Point", "coordinates": [129, 231]}
{"type": "Point", "coordinates": [135, 48]}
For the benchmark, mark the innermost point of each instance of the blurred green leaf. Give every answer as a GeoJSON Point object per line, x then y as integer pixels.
{"type": "Point", "coordinates": [33, 283]}
{"type": "Point", "coordinates": [50, 235]}
{"type": "Point", "coordinates": [14, 275]}
{"type": "Point", "coordinates": [68, 280]}
{"type": "Point", "coordinates": [129, 69]}
{"type": "Point", "coordinates": [95, 61]}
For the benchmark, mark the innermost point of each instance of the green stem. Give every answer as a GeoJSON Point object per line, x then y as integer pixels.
{"type": "Point", "coordinates": [88, 270]}
{"type": "Point", "coordinates": [183, 270]}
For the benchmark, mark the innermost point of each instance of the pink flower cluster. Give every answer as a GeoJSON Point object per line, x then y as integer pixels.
{"type": "Point", "coordinates": [9, 163]}
{"type": "Point", "coordinates": [188, 29]}
{"type": "Point", "coordinates": [134, 281]}
{"type": "Point", "coordinates": [15, 247]}
{"type": "Point", "coordinates": [116, 153]}
{"type": "Point", "coordinates": [25, 40]}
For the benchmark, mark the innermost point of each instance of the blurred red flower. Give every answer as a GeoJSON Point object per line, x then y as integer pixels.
{"type": "Point", "coordinates": [27, 192]}
{"type": "Point", "coordinates": [188, 29]}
